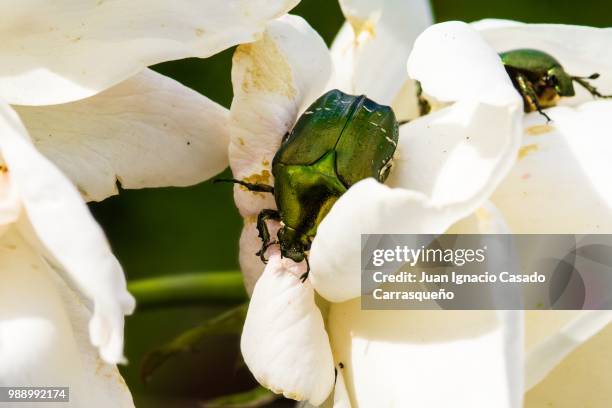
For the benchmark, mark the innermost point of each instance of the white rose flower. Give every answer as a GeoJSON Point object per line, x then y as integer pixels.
{"type": "Point", "coordinates": [79, 113]}
{"type": "Point", "coordinates": [450, 174]}
{"type": "Point", "coordinates": [558, 186]}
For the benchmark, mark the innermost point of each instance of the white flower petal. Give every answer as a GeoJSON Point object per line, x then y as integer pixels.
{"type": "Point", "coordinates": [341, 397]}
{"type": "Point", "coordinates": [335, 254]}
{"type": "Point", "coordinates": [63, 224]}
{"type": "Point", "coordinates": [448, 162]}
{"type": "Point", "coordinates": [43, 332]}
{"type": "Point", "coordinates": [563, 169]}
{"type": "Point", "coordinates": [273, 79]}
{"type": "Point", "coordinates": [10, 206]}
{"type": "Point", "coordinates": [149, 131]}
{"type": "Point", "coordinates": [582, 379]}
{"type": "Point", "coordinates": [477, 72]}
{"type": "Point", "coordinates": [81, 48]}
{"type": "Point", "coordinates": [581, 50]}
{"type": "Point", "coordinates": [250, 243]}
{"type": "Point", "coordinates": [381, 32]}
{"type": "Point", "coordinates": [578, 327]}
{"type": "Point", "coordinates": [284, 342]}
{"type": "Point", "coordinates": [405, 358]}
{"type": "Point", "coordinates": [485, 220]}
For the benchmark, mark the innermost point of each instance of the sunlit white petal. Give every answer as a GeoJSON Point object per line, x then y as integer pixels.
{"type": "Point", "coordinates": [10, 206]}
{"type": "Point", "coordinates": [284, 342]}
{"type": "Point", "coordinates": [148, 131]}
{"type": "Point", "coordinates": [402, 358]}
{"type": "Point", "coordinates": [61, 221]}
{"type": "Point", "coordinates": [43, 332]}
{"type": "Point", "coordinates": [562, 169]}
{"type": "Point", "coordinates": [377, 33]}
{"type": "Point", "coordinates": [60, 51]}
{"type": "Point", "coordinates": [273, 79]}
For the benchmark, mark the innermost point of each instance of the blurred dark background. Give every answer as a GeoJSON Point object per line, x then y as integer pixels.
{"type": "Point", "coordinates": [176, 230]}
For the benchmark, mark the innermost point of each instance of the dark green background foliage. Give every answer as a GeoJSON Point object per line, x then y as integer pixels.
{"type": "Point", "coordinates": [175, 230]}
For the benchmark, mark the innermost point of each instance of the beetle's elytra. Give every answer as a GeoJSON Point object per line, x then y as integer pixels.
{"type": "Point", "coordinates": [541, 80]}
{"type": "Point", "coordinates": [339, 140]}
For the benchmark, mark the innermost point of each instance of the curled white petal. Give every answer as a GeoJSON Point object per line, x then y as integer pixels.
{"type": "Point", "coordinates": [63, 224]}
{"type": "Point", "coordinates": [44, 338]}
{"type": "Point", "coordinates": [377, 32]}
{"type": "Point", "coordinates": [284, 342]}
{"type": "Point", "coordinates": [148, 131]}
{"type": "Point", "coordinates": [335, 253]}
{"type": "Point", "coordinates": [61, 51]}
{"type": "Point", "coordinates": [477, 72]}
{"type": "Point", "coordinates": [273, 79]}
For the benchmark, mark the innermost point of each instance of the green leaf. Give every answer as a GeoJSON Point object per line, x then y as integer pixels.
{"type": "Point", "coordinates": [229, 322]}
{"type": "Point", "coordinates": [257, 397]}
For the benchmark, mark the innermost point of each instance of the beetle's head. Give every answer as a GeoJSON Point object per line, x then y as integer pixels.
{"type": "Point", "coordinates": [561, 81]}
{"type": "Point", "coordinates": [292, 244]}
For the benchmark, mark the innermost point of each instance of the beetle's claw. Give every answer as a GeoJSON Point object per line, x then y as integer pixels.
{"type": "Point", "coordinates": [305, 274]}
{"type": "Point", "coordinates": [262, 252]}
{"type": "Point", "coordinates": [261, 255]}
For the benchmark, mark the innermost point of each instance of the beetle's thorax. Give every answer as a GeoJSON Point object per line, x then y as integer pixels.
{"type": "Point", "coordinates": [562, 81]}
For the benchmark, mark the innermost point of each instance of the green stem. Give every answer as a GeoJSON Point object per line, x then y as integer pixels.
{"type": "Point", "coordinates": [217, 288]}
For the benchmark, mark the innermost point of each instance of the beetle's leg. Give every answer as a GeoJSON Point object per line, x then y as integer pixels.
{"type": "Point", "coordinates": [257, 187]}
{"type": "Point", "coordinates": [586, 85]}
{"type": "Point", "coordinates": [528, 93]}
{"type": "Point", "coordinates": [263, 250]}
{"type": "Point", "coordinates": [264, 233]}
{"type": "Point", "coordinates": [305, 274]}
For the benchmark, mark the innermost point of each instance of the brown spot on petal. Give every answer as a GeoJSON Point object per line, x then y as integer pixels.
{"type": "Point", "coordinates": [199, 32]}
{"type": "Point", "coordinates": [241, 141]}
{"type": "Point", "coordinates": [261, 178]}
{"type": "Point", "coordinates": [526, 150]}
{"type": "Point", "coordinates": [266, 69]}
{"type": "Point", "coordinates": [3, 169]}
{"type": "Point", "coordinates": [538, 130]}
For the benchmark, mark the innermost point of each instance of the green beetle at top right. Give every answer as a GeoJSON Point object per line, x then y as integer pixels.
{"type": "Point", "coordinates": [541, 79]}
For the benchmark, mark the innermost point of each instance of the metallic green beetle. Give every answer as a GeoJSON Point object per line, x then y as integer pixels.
{"type": "Point", "coordinates": [541, 80]}
{"type": "Point", "coordinates": [339, 140]}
